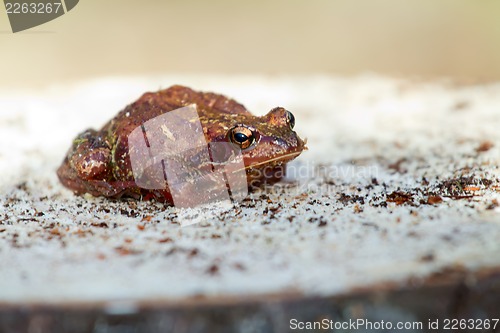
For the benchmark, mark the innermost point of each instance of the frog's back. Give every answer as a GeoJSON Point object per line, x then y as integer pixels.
{"type": "Point", "coordinates": [153, 104]}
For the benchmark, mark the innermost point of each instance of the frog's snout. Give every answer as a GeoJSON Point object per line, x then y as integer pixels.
{"type": "Point", "coordinates": [302, 143]}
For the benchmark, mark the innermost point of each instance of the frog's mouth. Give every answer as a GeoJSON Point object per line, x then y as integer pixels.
{"type": "Point", "coordinates": [274, 161]}
{"type": "Point", "coordinates": [280, 159]}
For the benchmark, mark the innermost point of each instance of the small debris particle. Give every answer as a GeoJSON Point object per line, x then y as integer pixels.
{"type": "Point", "coordinates": [122, 251]}
{"type": "Point", "coordinates": [428, 257]}
{"type": "Point", "coordinates": [264, 197]}
{"type": "Point", "coordinates": [484, 146]}
{"type": "Point", "coordinates": [147, 218]}
{"type": "Point", "coordinates": [371, 224]}
{"type": "Point", "coordinates": [434, 200]}
{"type": "Point", "coordinates": [399, 198]}
{"type": "Point", "coordinates": [193, 253]}
{"type": "Point", "coordinates": [412, 234]}
{"type": "Point", "coordinates": [471, 188]}
{"type": "Point", "coordinates": [357, 209]}
{"type": "Point", "coordinates": [131, 213]}
{"type": "Point", "coordinates": [166, 240]}
{"type": "Point", "coordinates": [347, 199]}
{"type": "Point", "coordinates": [125, 251]}
{"type": "Point", "coordinates": [396, 166]}
{"type": "Point", "coordinates": [494, 204]}
{"type": "Point", "coordinates": [461, 105]}
{"type": "Point", "coordinates": [213, 269]}
{"type": "Point", "coordinates": [447, 238]}
{"type": "Point", "coordinates": [22, 186]}
{"type": "Point", "coordinates": [55, 231]}
{"type": "Point", "coordinates": [99, 225]}
{"type": "Point", "coordinates": [274, 209]}
{"type": "Point", "coordinates": [239, 266]}
{"type": "Point", "coordinates": [80, 232]}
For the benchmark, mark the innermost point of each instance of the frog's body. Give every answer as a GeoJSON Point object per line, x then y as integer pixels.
{"type": "Point", "coordinates": [99, 161]}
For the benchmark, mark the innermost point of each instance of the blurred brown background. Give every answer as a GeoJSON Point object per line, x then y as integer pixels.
{"type": "Point", "coordinates": [424, 38]}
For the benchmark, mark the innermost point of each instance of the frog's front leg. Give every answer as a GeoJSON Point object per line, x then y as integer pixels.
{"type": "Point", "coordinates": [90, 157]}
{"type": "Point", "coordinates": [86, 167]}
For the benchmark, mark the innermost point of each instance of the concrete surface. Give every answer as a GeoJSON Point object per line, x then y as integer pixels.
{"type": "Point", "coordinates": [400, 182]}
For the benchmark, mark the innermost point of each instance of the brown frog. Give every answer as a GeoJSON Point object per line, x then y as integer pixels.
{"type": "Point", "coordinates": [99, 163]}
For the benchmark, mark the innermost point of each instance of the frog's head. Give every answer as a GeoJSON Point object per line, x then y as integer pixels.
{"type": "Point", "coordinates": [266, 142]}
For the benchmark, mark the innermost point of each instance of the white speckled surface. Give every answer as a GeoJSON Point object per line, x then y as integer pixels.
{"type": "Point", "coordinates": [323, 232]}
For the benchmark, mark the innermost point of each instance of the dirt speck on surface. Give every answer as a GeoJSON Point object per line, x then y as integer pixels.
{"type": "Point", "coordinates": [400, 198]}
{"type": "Point", "coordinates": [485, 146]}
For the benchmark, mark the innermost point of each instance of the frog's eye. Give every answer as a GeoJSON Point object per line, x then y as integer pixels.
{"type": "Point", "coordinates": [241, 136]}
{"type": "Point", "coordinates": [290, 119]}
